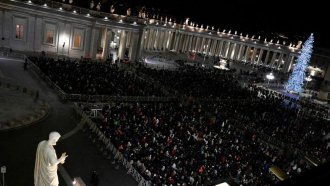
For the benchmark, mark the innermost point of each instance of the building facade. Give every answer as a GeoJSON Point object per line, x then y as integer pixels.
{"type": "Point", "coordinates": [63, 29]}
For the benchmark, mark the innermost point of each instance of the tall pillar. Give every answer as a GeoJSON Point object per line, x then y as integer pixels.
{"type": "Point", "coordinates": [193, 46]}
{"type": "Point", "coordinates": [260, 55]}
{"type": "Point", "coordinates": [133, 46]}
{"type": "Point", "coordinates": [153, 39]}
{"type": "Point", "coordinates": [141, 39]}
{"type": "Point", "coordinates": [172, 40]}
{"type": "Point", "coordinates": [166, 35]}
{"type": "Point", "coordinates": [177, 39]}
{"type": "Point", "coordinates": [201, 45]}
{"type": "Point", "coordinates": [240, 52]}
{"type": "Point", "coordinates": [156, 38]}
{"type": "Point", "coordinates": [267, 57]}
{"type": "Point", "coordinates": [160, 40]}
{"type": "Point", "coordinates": [106, 43]}
{"type": "Point", "coordinates": [162, 46]}
{"type": "Point", "coordinates": [254, 54]}
{"type": "Point", "coordinates": [247, 51]}
{"type": "Point", "coordinates": [213, 45]}
{"type": "Point", "coordinates": [232, 51]}
{"type": "Point", "coordinates": [223, 46]}
{"type": "Point", "coordinates": [236, 51]}
{"type": "Point", "coordinates": [122, 45]}
{"type": "Point", "coordinates": [197, 44]}
{"type": "Point", "coordinates": [218, 47]}
{"type": "Point", "coordinates": [181, 42]}
{"type": "Point", "coordinates": [208, 46]}
{"type": "Point", "coordinates": [189, 42]}
{"type": "Point", "coordinates": [280, 60]}
{"type": "Point", "coordinates": [229, 45]}
{"type": "Point", "coordinates": [230, 48]}
{"type": "Point", "coordinates": [168, 40]}
{"type": "Point", "coordinates": [93, 42]}
{"type": "Point", "coordinates": [186, 46]}
{"type": "Point", "coordinates": [225, 49]}
{"type": "Point", "coordinates": [273, 59]}
{"type": "Point", "coordinates": [150, 37]}
{"type": "Point", "coordinates": [287, 63]}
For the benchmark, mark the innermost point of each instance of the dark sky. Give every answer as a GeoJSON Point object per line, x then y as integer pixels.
{"type": "Point", "coordinates": [260, 17]}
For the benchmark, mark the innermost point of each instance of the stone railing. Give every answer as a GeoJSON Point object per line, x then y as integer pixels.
{"type": "Point", "coordinates": [68, 8]}
{"type": "Point", "coordinates": [108, 147]}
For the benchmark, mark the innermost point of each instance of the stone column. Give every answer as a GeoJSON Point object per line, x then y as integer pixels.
{"type": "Point", "coordinates": [197, 44]}
{"type": "Point", "coordinates": [106, 43]}
{"type": "Point", "coordinates": [122, 44]}
{"type": "Point", "coordinates": [254, 54]}
{"type": "Point", "coordinates": [217, 49]}
{"type": "Point", "coordinates": [155, 45]}
{"type": "Point", "coordinates": [280, 60]}
{"type": "Point", "coordinates": [260, 55]}
{"type": "Point", "coordinates": [267, 56]}
{"type": "Point", "coordinates": [240, 52]}
{"type": "Point", "coordinates": [247, 51]}
{"type": "Point", "coordinates": [141, 40]}
{"type": "Point", "coordinates": [232, 51]}
{"type": "Point", "coordinates": [273, 59]}
{"type": "Point", "coordinates": [221, 48]}
{"type": "Point", "coordinates": [150, 37]}
{"type": "Point", "coordinates": [237, 47]}
{"type": "Point", "coordinates": [208, 46]}
{"type": "Point", "coordinates": [288, 64]}
{"type": "Point", "coordinates": [213, 45]}
{"type": "Point", "coordinates": [134, 46]}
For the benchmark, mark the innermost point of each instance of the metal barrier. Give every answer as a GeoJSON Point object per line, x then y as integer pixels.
{"type": "Point", "coordinates": [118, 156]}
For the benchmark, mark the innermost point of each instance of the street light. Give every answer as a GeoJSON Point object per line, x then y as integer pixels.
{"type": "Point", "coordinates": [270, 76]}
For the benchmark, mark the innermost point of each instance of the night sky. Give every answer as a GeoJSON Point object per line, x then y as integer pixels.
{"type": "Point", "coordinates": [294, 19]}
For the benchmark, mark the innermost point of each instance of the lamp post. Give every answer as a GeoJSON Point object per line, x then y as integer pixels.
{"type": "Point", "coordinates": [269, 77]}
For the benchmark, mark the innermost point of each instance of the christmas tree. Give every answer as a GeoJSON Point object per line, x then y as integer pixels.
{"type": "Point", "coordinates": [297, 77]}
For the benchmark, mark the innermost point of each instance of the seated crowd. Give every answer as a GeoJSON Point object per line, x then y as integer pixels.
{"type": "Point", "coordinates": [197, 142]}
{"type": "Point", "coordinates": [175, 144]}
{"type": "Point", "coordinates": [82, 77]}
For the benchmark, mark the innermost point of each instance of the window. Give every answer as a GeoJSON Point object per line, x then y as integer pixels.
{"type": "Point", "coordinates": [19, 32]}
{"type": "Point", "coordinates": [50, 36]}
{"type": "Point", "coordinates": [77, 41]}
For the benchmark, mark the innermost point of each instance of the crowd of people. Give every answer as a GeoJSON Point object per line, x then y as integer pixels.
{"type": "Point", "coordinates": [84, 77]}
{"type": "Point", "coordinates": [172, 143]}
{"type": "Point", "coordinates": [195, 141]}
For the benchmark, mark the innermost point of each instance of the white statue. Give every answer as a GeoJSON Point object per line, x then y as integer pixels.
{"type": "Point", "coordinates": [91, 5]}
{"type": "Point", "coordinates": [98, 6]}
{"type": "Point", "coordinates": [45, 170]}
{"type": "Point", "coordinates": [187, 21]}
{"type": "Point", "coordinates": [128, 12]}
{"type": "Point", "coordinates": [112, 9]}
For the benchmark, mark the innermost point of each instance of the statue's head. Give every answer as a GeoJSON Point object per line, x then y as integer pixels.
{"type": "Point", "coordinates": [53, 137]}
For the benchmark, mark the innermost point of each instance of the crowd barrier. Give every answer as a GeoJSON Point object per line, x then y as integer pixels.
{"type": "Point", "coordinates": [109, 147]}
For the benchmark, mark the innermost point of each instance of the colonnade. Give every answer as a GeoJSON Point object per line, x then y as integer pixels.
{"type": "Point", "coordinates": [161, 39]}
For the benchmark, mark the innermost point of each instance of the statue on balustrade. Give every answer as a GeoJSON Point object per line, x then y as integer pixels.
{"type": "Point", "coordinates": [45, 170]}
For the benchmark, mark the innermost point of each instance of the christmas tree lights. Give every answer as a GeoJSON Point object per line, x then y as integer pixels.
{"type": "Point", "coordinates": [298, 75]}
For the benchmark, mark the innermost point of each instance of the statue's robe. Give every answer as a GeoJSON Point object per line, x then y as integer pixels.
{"type": "Point", "coordinates": [45, 170]}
